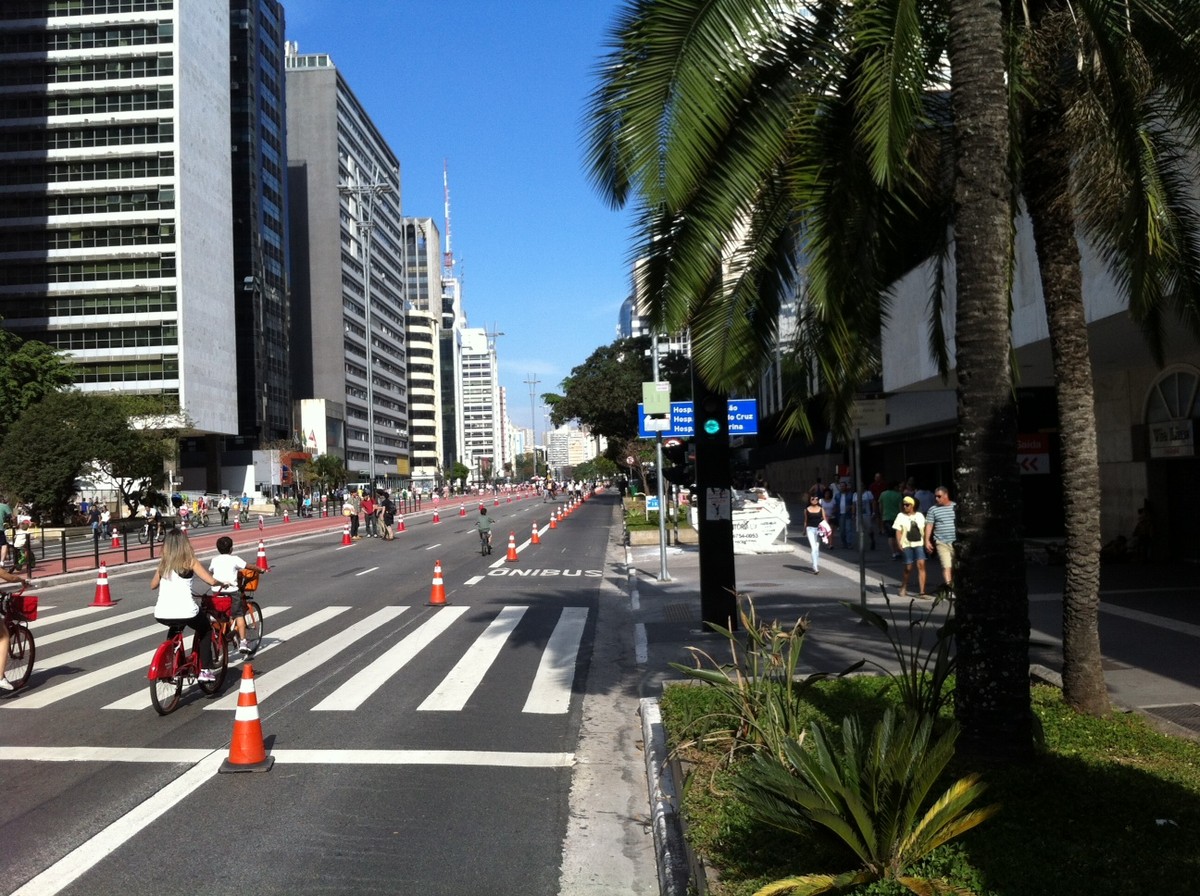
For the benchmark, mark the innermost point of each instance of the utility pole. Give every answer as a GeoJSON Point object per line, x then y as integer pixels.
{"type": "Point", "coordinates": [532, 382]}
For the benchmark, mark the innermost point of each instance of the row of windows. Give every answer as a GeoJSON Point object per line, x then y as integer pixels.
{"type": "Point", "coordinates": [88, 203]}
{"type": "Point", "coordinates": [90, 271]}
{"type": "Point", "coordinates": [128, 371]}
{"type": "Point", "coordinates": [162, 65]}
{"type": "Point", "coordinates": [80, 138]}
{"type": "Point", "coordinates": [144, 303]}
{"type": "Point", "coordinates": [88, 238]}
{"type": "Point", "coordinates": [93, 38]}
{"type": "Point", "coordinates": [48, 9]}
{"type": "Point", "coordinates": [88, 104]}
{"type": "Point", "coordinates": [98, 169]}
{"type": "Point", "coordinates": [132, 337]}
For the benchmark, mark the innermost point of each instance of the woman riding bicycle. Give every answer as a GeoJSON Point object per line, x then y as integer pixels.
{"type": "Point", "coordinates": [177, 605]}
{"type": "Point", "coordinates": [6, 686]}
{"type": "Point", "coordinates": [484, 525]}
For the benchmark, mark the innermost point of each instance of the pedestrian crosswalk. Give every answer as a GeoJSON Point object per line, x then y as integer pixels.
{"type": "Point", "coordinates": [366, 652]}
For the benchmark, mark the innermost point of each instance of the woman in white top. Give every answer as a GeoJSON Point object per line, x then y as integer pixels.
{"type": "Point", "coordinates": [178, 606]}
{"type": "Point", "coordinates": [911, 541]}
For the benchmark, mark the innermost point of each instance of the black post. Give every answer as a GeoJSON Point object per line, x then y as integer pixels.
{"type": "Point", "coordinates": [714, 482]}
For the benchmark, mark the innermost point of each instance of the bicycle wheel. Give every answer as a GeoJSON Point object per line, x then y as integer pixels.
{"type": "Point", "coordinates": [220, 664]}
{"type": "Point", "coordinates": [143, 534]}
{"type": "Point", "coordinates": [254, 625]}
{"type": "Point", "coordinates": [166, 688]}
{"type": "Point", "coordinates": [21, 652]}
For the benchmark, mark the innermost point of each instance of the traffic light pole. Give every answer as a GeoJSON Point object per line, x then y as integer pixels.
{"type": "Point", "coordinates": [663, 574]}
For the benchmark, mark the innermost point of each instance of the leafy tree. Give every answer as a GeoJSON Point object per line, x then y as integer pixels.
{"type": "Point", "coordinates": [603, 392]}
{"type": "Point", "coordinates": [459, 473]}
{"type": "Point", "coordinates": [753, 134]}
{"type": "Point", "coordinates": [596, 468]}
{"type": "Point", "coordinates": [327, 472]}
{"type": "Point", "coordinates": [68, 435]}
{"type": "Point", "coordinates": [29, 370]}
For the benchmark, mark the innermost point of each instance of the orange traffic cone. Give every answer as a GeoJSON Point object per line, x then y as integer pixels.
{"type": "Point", "coordinates": [103, 595]}
{"type": "Point", "coordinates": [262, 557]}
{"type": "Point", "coordinates": [496, 503]}
{"type": "Point", "coordinates": [400, 523]}
{"type": "Point", "coordinates": [511, 556]}
{"type": "Point", "coordinates": [116, 542]}
{"type": "Point", "coordinates": [237, 521]}
{"type": "Point", "coordinates": [534, 539]}
{"type": "Point", "coordinates": [247, 752]}
{"type": "Point", "coordinates": [437, 596]}
{"type": "Point", "coordinates": [437, 518]}
{"type": "Point", "coordinates": [553, 522]}
{"type": "Point", "coordinates": [286, 518]}
{"type": "Point", "coordinates": [462, 509]}
{"type": "Point", "coordinates": [346, 534]}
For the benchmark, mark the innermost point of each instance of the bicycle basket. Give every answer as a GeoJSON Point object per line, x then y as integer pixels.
{"type": "Point", "coordinates": [23, 607]}
{"type": "Point", "coordinates": [248, 579]}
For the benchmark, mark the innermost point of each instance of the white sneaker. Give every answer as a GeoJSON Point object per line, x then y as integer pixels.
{"type": "Point", "coordinates": [6, 685]}
{"type": "Point", "coordinates": [243, 646]}
{"type": "Point", "coordinates": [207, 675]}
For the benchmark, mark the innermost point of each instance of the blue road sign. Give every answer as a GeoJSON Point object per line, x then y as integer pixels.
{"type": "Point", "coordinates": [743, 420]}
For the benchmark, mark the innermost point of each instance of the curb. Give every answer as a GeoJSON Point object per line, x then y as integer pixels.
{"type": "Point", "coordinates": [670, 849]}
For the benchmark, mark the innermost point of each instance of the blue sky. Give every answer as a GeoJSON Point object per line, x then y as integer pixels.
{"type": "Point", "coordinates": [497, 91]}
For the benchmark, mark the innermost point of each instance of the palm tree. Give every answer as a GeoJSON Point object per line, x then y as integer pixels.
{"type": "Point", "coordinates": [751, 132]}
{"type": "Point", "coordinates": [1109, 110]}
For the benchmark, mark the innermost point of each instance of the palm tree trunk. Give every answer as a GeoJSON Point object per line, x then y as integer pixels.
{"type": "Point", "coordinates": [992, 700]}
{"type": "Point", "coordinates": [1048, 192]}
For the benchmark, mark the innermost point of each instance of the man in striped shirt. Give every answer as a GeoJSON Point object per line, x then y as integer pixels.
{"type": "Point", "coordinates": [939, 532]}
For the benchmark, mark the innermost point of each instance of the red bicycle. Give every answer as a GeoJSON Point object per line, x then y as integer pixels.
{"type": "Point", "coordinates": [18, 610]}
{"type": "Point", "coordinates": [223, 623]}
{"type": "Point", "coordinates": [173, 666]}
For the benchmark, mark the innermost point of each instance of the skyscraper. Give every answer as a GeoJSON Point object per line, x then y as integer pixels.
{"type": "Point", "coordinates": [348, 322]}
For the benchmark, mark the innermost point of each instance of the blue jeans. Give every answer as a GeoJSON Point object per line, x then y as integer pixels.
{"type": "Point", "coordinates": [846, 530]}
{"type": "Point", "coordinates": [814, 544]}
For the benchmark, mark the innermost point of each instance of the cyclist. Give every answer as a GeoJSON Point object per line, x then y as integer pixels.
{"type": "Point", "coordinates": [225, 566]}
{"type": "Point", "coordinates": [6, 686]}
{"type": "Point", "coordinates": [484, 525]}
{"type": "Point", "coordinates": [223, 505]}
{"type": "Point", "coordinates": [177, 605]}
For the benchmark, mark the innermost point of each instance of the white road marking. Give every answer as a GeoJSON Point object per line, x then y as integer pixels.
{"type": "Point", "coordinates": [474, 580]}
{"type": "Point", "coordinates": [74, 864]}
{"type": "Point", "coordinates": [305, 663]}
{"type": "Point", "coordinates": [169, 756]}
{"type": "Point", "coordinates": [641, 645]}
{"type": "Point", "coordinates": [456, 688]}
{"type": "Point", "coordinates": [44, 639]}
{"type": "Point", "coordinates": [365, 571]}
{"type": "Point", "coordinates": [365, 683]}
{"type": "Point", "coordinates": [551, 691]}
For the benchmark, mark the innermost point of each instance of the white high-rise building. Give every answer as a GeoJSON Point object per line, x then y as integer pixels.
{"type": "Point", "coordinates": [116, 235]}
{"type": "Point", "coordinates": [423, 279]}
{"type": "Point", "coordinates": [479, 404]}
{"type": "Point", "coordinates": [349, 343]}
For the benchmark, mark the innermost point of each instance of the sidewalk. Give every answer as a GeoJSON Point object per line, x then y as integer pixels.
{"type": "Point", "coordinates": [1149, 628]}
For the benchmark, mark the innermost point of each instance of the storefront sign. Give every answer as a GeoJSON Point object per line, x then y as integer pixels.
{"type": "Point", "coordinates": [1174, 438]}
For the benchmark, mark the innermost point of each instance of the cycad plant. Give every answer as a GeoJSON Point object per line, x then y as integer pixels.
{"type": "Point", "coordinates": [873, 796]}
{"type": "Point", "coordinates": [759, 688]}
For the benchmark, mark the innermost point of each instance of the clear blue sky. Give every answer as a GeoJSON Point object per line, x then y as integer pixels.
{"type": "Point", "coordinates": [499, 92]}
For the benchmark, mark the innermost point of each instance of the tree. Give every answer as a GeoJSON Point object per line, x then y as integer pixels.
{"type": "Point", "coordinates": [753, 135]}
{"type": "Point", "coordinates": [327, 472]}
{"type": "Point", "coordinates": [603, 392]}
{"type": "Point", "coordinates": [29, 370]}
{"type": "Point", "coordinates": [68, 435]}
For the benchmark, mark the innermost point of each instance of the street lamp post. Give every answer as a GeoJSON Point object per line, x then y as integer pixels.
{"type": "Point", "coordinates": [532, 382]}
{"type": "Point", "coordinates": [364, 216]}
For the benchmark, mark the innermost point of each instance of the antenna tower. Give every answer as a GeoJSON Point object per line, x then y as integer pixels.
{"type": "Point", "coordinates": [448, 255]}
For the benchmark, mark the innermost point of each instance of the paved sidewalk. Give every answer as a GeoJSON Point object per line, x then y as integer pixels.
{"type": "Point", "coordinates": [1149, 628]}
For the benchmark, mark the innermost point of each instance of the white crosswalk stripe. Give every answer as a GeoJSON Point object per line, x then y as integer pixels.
{"type": "Point", "coordinates": [74, 672]}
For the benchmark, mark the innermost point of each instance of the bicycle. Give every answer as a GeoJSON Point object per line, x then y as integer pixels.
{"type": "Point", "coordinates": [485, 541]}
{"type": "Point", "coordinates": [198, 518]}
{"type": "Point", "coordinates": [173, 665]}
{"type": "Point", "coordinates": [223, 626]}
{"type": "Point", "coordinates": [18, 610]}
{"type": "Point", "coordinates": [145, 534]}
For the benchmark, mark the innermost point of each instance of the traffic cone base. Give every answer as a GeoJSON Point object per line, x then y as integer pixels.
{"type": "Point", "coordinates": [103, 596]}
{"type": "Point", "coordinates": [247, 752]}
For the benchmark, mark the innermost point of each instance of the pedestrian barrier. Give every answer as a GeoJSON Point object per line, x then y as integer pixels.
{"type": "Point", "coordinates": [247, 751]}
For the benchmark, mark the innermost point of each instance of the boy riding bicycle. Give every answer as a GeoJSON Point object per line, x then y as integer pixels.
{"type": "Point", "coordinates": [484, 525]}
{"type": "Point", "coordinates": [224, 567]}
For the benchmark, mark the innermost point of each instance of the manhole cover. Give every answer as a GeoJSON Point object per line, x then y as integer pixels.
{"type": "Point", "coordinates": [1185, 715]}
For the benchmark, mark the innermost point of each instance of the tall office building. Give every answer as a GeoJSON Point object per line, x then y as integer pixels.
{"type": "Point", "coordinates": [116, 241]}
{"type": "Point", "coordinates": [453, 322]}
{"type": "Point", "coordinates": [423, 289]}
{"type": "Point", "coordinates": [348, 318]}
{"type": "Point", "coordinates": [479, 405]}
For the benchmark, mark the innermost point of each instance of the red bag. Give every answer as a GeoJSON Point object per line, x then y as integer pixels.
{"type": "Point", "coordinates": [221, 604]}
{"type": "Point", "coordinates": [25, 607]}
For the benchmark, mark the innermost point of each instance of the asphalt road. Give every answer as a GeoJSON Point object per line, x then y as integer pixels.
{"type": "Point", "coordinates": [419, 749]}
